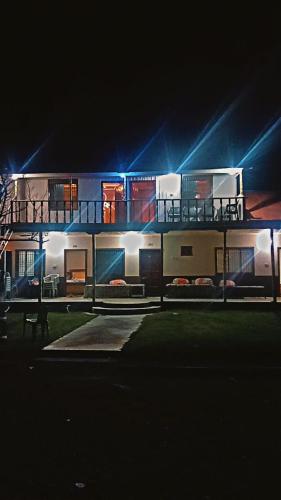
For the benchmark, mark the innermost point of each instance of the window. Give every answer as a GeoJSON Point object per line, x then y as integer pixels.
{"type": "Point", "coordinates": [27, 263]}
{"type": "Point", "coordinates": [143, 206]}
{"type": "Point", "coordinates": [238, 260]}
{"type": "Point", "coordinates": [62, 192]}
{"type": "Point", "coordinates": [196, 186]}
{"type": "Point", "coordinates": [113, 195]}
{"type": "Point", "coordinates": [186, 251]}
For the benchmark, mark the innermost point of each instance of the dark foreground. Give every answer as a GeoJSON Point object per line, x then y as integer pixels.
{"type": "Point", "coordinates": [77, 431]}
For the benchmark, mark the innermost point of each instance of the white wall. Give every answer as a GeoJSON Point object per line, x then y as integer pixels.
{"type": "Point", "coordinates": [151, 241]}
{"type": "Point", "coordinates": [224, 185]}
{"type": "Point", "coordinates": [201, 263]}
{"type": "Point", "coordinates": [168, 186]}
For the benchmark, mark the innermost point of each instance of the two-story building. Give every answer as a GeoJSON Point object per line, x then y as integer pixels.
{"type": "Point", "coordinates": [146, 228]}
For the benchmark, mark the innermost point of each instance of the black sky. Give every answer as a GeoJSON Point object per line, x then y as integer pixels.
{"type": "Point", "coordinates": [93, 88]}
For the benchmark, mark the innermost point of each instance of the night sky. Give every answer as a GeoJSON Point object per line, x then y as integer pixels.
{"type": "Point", "coordinates": [141, 90]}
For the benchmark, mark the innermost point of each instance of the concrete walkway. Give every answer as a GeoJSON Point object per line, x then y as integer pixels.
{"type": "Point", "coordinates": [103, 333]}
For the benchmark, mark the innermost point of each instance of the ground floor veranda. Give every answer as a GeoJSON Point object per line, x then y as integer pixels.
{"type": "Point", "coordinates": [148, 262]}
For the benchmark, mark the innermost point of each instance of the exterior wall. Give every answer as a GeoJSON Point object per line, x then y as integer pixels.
{"type": "Point", "coordinates": [151, 241]}
{"type": "Point", "coordinates": [201, 263]}
{"type": "Point", "coordinates": [168, 186]}
{"type": "Point", "coordinates": [89, 188]}
{"type": "Point", "coordinates": [55, 244]}
{"type": "Point", "coordinates": [224, 185]}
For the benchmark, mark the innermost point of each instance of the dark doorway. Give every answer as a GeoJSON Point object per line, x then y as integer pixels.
{"type": "Point", "coordinates": [150, 271]}
{"type": "Point", "coordinates": [75, 271]}
{"type": "Point", "coordinates": [110, 264]}
{"type": "Point", "coordinates": [8, 262]}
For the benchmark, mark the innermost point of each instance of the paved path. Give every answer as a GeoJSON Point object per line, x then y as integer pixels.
{"type": "Point", "coordinates": [103, 333]}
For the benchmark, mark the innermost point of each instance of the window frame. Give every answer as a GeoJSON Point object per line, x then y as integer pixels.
{"type": "Point", "coordinates": [65, 205]}
{"type": "Point", "coordinates": [35, 266]}
{"type": "Point", "coordinates": [240, 249]}
{"type": "Point", "coordinates": [187, 254]}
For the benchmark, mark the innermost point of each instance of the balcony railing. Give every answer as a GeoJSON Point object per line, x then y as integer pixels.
{"type": "Point", "coordinates": [116, 212]}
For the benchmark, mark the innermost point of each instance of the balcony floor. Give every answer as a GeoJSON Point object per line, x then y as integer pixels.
{"type": "Point", "coordinates": [131, 301]}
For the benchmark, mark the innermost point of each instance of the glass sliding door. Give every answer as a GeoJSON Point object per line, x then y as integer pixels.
{"type": "Point", "coordinates": [143, 204]}
{"type": "Point", "coordinates": [114, 208]}
{"type": "Point", "coordinates": [197, 201]}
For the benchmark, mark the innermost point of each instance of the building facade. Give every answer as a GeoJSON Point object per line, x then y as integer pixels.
{"type": "Point", "coordinates": [89, 229]}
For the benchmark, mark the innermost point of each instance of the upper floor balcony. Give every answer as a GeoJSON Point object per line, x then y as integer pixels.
{"type": "Point", "coordinates": [112, 215]}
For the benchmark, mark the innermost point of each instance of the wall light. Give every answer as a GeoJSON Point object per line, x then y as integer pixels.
{"type": "Point", "coordinates": [263, 241]}
{"type": "Point", "coordinates": [132, 242]}
{"type": "Point", "coordinates": [56, 244]}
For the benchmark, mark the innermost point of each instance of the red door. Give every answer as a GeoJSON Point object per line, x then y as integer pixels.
{"type": "Point", "coordinates": [143, 201]}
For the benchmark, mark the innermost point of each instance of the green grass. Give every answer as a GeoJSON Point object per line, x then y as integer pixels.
{"type": "Point", "coordinates": [59, 324]}
{"type": "Point", "coordinates": [208, 336]}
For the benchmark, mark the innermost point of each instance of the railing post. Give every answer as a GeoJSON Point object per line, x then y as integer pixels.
{"type": "Point", "coordinates": [224, 264]}
{"type": "Point", "coordinates": [243, 207]}
{"type": "Point", "coordinates": [162, 269]}
{"type": "Point", "coordinates": [157, 211]}
{"type": "Point", "coordinates": [94, 269]}
{"type": "Point", "coordinates": [71, 211]}
{"type": "Point", "coordinates": [12, 211]}
{"type": "Point", "coordinates": [79, 211]}
{"type": "Point", "coordinates": [40, 266]}
{"type": "Point", "coordinates": [274, 293]}
{"type": "Point", "coordinates": [180, 210]}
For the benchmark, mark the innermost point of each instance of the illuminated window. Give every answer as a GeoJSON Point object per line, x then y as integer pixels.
{"type": "Point", "coordinates": [196, 186]}
{"type": "Point", "coordinates": [238, 260]}
{"type": "Point", "coordinates": [63, 194]}
{"type": "Point", "coordinates": [113, 206]}
{"type": "Point", "coordinates": [27, 263]}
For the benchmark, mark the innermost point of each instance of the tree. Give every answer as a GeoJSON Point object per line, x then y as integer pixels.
{"type": "Point", "coordinates": [7, 193]}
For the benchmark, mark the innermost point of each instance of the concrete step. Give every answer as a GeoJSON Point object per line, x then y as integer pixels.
{"type": "Point", "coordinates": [129, 305]}
{"type": "Point", "coordinates": [126, 310]}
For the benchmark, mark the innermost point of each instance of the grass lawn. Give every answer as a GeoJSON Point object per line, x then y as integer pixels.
{"type": "Point", "coordinates": [208, 336]}
{"type": "Point", "coordinates": [59, 324]}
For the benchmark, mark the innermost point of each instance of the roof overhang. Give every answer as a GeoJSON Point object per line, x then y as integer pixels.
{"type": "Point", "coordinates": [210, 171]}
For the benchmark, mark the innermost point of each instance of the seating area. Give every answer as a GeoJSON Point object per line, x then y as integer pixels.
{"type": "Point", "coordinates": [203, 210]}
{"type": "Point", "coordinates": [204, 288]}
{"type": "Point", "coordinates": [115, 289]}
{"type": "Point", "coordinates": [50, 285]}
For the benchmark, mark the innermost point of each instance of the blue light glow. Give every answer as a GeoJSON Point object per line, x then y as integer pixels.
{"type": "Point", "coordinates": [146, 146]}
{"type": "Point", "coordinates": [208, 131]}
{"type": "Point", "coordinates": [261, 142]}
{"type": "Point", "coordinates": [32, 156]}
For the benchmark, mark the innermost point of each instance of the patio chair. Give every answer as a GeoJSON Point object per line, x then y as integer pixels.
{"type": "Point", "coordinates": [8, 286]}
{"type": "Point", "coordinates": [3, 322]}
{"type": "Point", "coordinates": [174, 214]}
{"type": "Point", "coordinates": [50, 284]}
{"type": "Point", "coordinates": [41, 319]}
{"type": "Point", "coordinates": [228, 212]}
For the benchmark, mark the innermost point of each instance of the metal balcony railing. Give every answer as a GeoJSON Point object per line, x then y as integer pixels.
{"type": "Point", "coordinates": [116, 212]}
